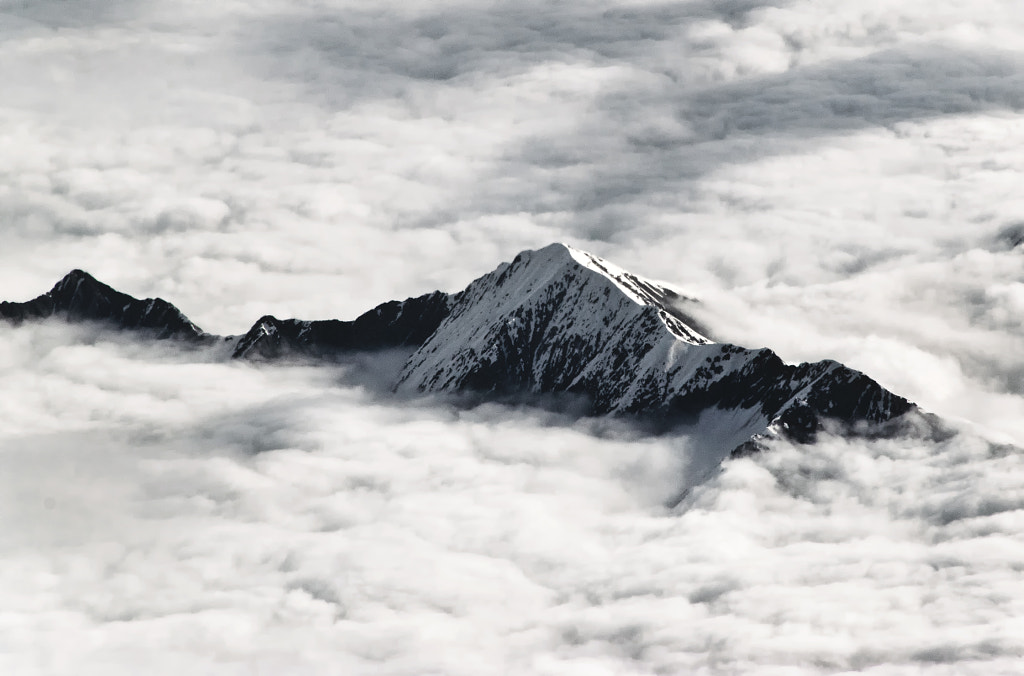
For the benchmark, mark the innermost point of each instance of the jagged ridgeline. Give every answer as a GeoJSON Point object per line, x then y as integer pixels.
{"type": "Point", "coordinates": [81, 297]}
{"type": "Point", "coordinates": [556, 320]}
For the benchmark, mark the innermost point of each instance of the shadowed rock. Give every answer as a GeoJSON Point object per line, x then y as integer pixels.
{"type": "Point", "coordinates": [81, 297]}
{"type": "Point", "coordinates": [405, 323]}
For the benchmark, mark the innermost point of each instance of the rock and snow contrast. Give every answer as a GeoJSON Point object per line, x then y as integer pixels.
{"type": "Point", "coordinates": [560, 320]}
{"type": "Point", "coordinates": [556, 322]}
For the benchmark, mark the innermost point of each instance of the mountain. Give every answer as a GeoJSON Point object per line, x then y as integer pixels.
{"type": "Point", "coordinates": [392, 324]}
{"type": "Point", "coordinates": [560, 320]}
{"type": "Point", "coordinates": [81, 297]}
{"type": "Point", "coordinates": [556, 322]}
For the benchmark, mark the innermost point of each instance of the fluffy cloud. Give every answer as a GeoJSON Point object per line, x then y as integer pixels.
{"type": "Point", "coordinates": [833, 179]}
{"type": "Point", "coordinates": [181, 513]}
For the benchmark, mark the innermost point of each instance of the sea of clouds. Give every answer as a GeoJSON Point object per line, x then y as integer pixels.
{"type": "Point", "coordinates": [832, 179]}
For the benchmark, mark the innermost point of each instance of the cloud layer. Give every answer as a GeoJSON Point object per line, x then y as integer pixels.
{"type": "Point", "coordinates": [833, 179]}
{"type": "Point", "coordinates": [198, 514]}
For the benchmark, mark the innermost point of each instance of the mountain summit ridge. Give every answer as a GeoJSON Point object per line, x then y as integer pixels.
{"type": "Point", "coordinates": [558, 320]}
{"type": "Point", "coordinates": [546, 302]}
{"type": "Point", "coordinates": [643, 292]}
{"type": "Point", "coordinates": [553, 321]}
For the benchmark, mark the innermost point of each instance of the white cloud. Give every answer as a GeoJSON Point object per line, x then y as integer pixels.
{"type": "Point", "coordinates": [290, 518]}
{"type": "Point", "coordinates": [834, 179]}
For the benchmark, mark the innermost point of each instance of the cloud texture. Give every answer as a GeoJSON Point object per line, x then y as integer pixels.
{"type": "Point", "coordinates": [833, 179]}
{"type": "Point", "coordinates": [226, 518]}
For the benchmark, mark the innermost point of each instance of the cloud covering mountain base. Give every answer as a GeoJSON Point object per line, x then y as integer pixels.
{"type": "Point", "coordinates": [223, 517]}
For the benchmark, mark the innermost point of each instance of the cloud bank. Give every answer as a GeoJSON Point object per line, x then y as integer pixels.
{"type": "Point", "coordinates": [832, 179]}
{"type": "Point", "coordinates": [218, 516]}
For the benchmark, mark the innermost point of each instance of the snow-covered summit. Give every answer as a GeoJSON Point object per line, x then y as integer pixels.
{"type": "Point", "coordinates": [643, 292]}
{"type": "Point", "coordinates": [542, 323]}
{"type": "Point", "coordinates": [560, 320]}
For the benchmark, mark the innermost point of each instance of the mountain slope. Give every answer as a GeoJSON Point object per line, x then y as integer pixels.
{"type": "Point", "coordinates": [561, 320]}
{"type": "Point", "coordinates": [392, 324]}
{"type": "Point", "coordinates": [81, 297]}
{"type": "Point", "coordinates": [556, 321]}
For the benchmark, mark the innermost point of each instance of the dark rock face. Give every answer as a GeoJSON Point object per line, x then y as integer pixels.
{"type": "Point", "coordinates": [393, 324]}
{"type": "Point", "coordinates": [796, 398]}
{"type": "Point", "coordinates": [80, 297]}
{"type": "Point", "coordinates": [560, 320]}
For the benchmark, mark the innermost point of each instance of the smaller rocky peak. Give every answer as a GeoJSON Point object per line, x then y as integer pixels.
{"type": "Point", "coordinates": [79, 296]}
{"type": "Point", "coordinates": [268, 338]}
{"type": "Point", "coordinates": [393, 324]}
{"type": "Point", "coordinates": [267, 324]}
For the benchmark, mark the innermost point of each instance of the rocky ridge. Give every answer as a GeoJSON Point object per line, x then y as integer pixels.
{"type": "Point", "coordinates": [81, 297]}
{"type": "Point", "coordinates": [554, 322]}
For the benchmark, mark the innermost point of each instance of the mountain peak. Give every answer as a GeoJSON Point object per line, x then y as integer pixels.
{"type": "Point", "coordinates": [561, 320]}
{"type": "Point", "coordinates": [395, 324]}
{"type": "Point", "coordinates": [645, 292]}
{"type": "Point", "coordinates": [554, 305]}
{"type": "Point", "coordinates": [553, 321]}
{"type": "Point", "coordinates": [535, 269]}
{"type": "Point", "coordinates": [76, 275]}
{"type": "Point", "coordinates": [80, 283]}
{"type": "Point", "coordinates": [79, 296]}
